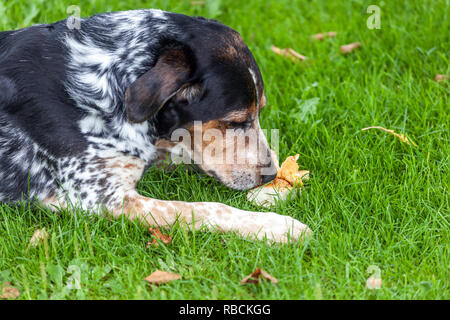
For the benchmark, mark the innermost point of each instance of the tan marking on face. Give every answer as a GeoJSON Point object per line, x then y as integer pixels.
{"type": "Point", "coordinates": [253, 110]}
{"type": "Point", "coordinates": [237, 116]}
{"type": "Point", "coordinates": [226, 158]}
{"type": "Point", "coordinates": [263, 101]}
{"type": "Point", "coordinates": [213, 124]}
{"type": "Point", "coordinates": [164, 144]}
{"type": "Point", "coordinates": [221, 128]}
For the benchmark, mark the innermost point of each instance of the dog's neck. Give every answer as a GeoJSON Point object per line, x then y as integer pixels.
{"type": "Point", "coordinates": [99, 71]}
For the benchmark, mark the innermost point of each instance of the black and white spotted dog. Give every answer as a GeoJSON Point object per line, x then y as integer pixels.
{"type": "Point", "coordinates": [81, 111]}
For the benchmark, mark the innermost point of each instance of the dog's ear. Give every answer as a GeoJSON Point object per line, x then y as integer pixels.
{"type": "Point", "coordinates": [148, 94]}
{"type": "Point", "coordinates": [189, 92]}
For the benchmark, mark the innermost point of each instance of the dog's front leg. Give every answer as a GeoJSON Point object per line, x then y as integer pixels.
{"type": "Point", "coordinates": [215, 216]}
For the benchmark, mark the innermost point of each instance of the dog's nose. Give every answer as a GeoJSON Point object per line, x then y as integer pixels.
{"type": "Point", "coordinates": [267, 178]}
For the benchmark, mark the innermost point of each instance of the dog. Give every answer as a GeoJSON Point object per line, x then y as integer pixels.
{"type": "Point", "coordinates": [82, 110]}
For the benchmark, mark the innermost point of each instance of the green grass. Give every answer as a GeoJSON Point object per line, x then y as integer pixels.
{"type": "Point", "coordinates": [372, 199]}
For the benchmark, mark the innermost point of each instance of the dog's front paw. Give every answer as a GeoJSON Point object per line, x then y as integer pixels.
{"type": "Point", "coordinates": [279, 228]}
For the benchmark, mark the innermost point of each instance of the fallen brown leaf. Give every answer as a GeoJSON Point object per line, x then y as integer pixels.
{"type": "Point", "coordinates": [332, 34]}
{"type": "Point", "coordinates": [289, 53]}
{"type": "Point", "coordinates": [158, 235]}
{"type": "Point", "coordinates": [197, 3]}
{"type": "Point", "coordinates": [321, 36]}
{"type": "Point", "coordinates": [257, 275]}
{"type": "Point", "coordinates": [400, 136]}
{"type": "Point", "coordinates": [9, 292]}
{"type": "Point", "coordinates": [349, 47]}
{"type": "Point", "coordinates": [318, 36]}
{"type": "Point", "coordinates": [159, 277]}
{"type": "Point", "coordinates": [38, 236]}
{"type": "Point", "coordinates": [440, 77]}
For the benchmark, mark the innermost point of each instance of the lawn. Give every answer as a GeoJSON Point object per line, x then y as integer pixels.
{"type": "Point", "coordinates": [372, 200]}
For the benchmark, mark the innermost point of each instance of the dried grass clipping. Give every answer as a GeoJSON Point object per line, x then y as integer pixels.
{"type": "Point", "coordinates": [350, 47]}
{"type": "Point", "coordinates": [38, 236]}
{"type": "Point", "coordinates": [400, 136]}
{"type": "Point", "coordinates": [322, 36]}
{"type": "Point", "coordinates": [289, 53]}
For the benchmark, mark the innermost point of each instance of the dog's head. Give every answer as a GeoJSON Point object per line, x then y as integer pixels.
{"type": "Point", "coordinates": [209, 85]}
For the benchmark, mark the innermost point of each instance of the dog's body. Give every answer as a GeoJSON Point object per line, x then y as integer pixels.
{"type": "Point", "coordinates": [81, 110]}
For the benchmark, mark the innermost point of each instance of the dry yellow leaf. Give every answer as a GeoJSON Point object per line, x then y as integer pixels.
{"type": "Point", "coordinates": [289, 171]}
{"type": "Point", "coordinates": [288, 177]}
{"type": "Point", "coordinates": [289, 53]}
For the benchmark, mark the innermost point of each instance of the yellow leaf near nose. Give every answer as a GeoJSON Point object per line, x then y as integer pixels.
{"type": "Point", "coordinates": [288, 178]}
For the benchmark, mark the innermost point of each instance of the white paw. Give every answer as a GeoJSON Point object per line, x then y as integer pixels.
{"type": "Point", "coordinates": [282, 229]}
